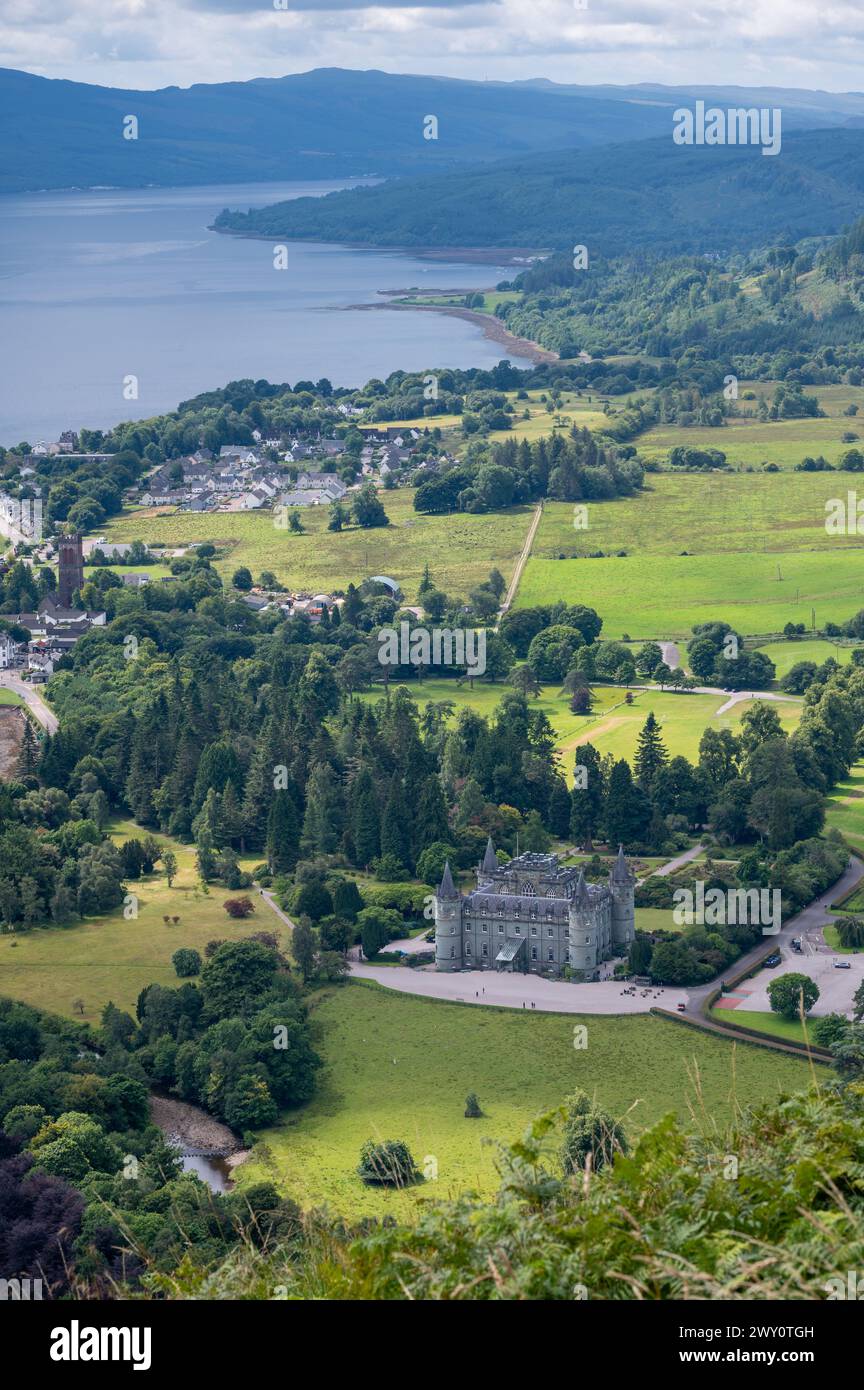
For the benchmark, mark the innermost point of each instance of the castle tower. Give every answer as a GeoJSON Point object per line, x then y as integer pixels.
{"type": "Point", "coordinates": [622, 885]}
{"type": "Point", "coordinates": [488, 865]}
{"type": "Point", "coordinates": [70, 575]}
{"type": "Point", "coordinates": [448, 924]}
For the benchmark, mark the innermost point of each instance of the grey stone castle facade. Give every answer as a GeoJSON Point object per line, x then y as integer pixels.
{"type": "Point", "coordinates": [534, 916]}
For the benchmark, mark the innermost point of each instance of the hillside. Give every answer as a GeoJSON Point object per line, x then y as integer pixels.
{"type": "Point", "coordinates": [621, 198]}
{"type": "Point", "coordinates": [331, 123]}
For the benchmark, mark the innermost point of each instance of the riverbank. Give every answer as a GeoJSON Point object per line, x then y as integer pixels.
{"type": "Point", "coordinates": [188, 1128]}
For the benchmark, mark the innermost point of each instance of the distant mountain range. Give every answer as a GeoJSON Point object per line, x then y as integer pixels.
{"type": "Point", "coordinates": [644, 195]}
{"type": "Point", "coordinates": [333, 123]}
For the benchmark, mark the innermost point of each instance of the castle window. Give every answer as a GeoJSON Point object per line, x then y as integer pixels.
{"type": "Point", "coordinates": [529, 890]}
{"type": "Point", "coordinates": [533, 931]}
{"type": "Point", "coordinates": [467, 948]}
{"type": "Point", "coordinates": [550, 931]}
{"type": "Point", "coordinates": [501, 929]}
{"type": "Point", "coordinates": [550, 893]}
{"type": "Point", "coordinates": [533, 952]}
{"type": "Point", "coordinates": [485, 926]}
{"type": "Point", "coordinates": [549, 914]}
{"type": "Point", "coordinates": [587, 941]}
{"type": "Point", "coordinates": [485, 950]}
{"type": "Point", "coordinates": [517, 928]}
{"type": "Point", "coordinates": [551, 955]}
{"type": "Point", "coordinates": [567, 933]}
{"type": "Point", "coordinates": [501, 911]}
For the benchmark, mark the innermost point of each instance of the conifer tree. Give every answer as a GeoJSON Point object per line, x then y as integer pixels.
{"type": "Point", "coordinates": [365, 819]}
{"type": "Point", "coordinates": [651, 753]}
{"type": "Point", "coordinates": [283, 834]}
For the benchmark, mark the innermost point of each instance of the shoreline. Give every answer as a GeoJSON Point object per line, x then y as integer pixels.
{"type": "Point", "coordinates": [522, 256]}
{"type": "Point", "coordinates": [492, 328]}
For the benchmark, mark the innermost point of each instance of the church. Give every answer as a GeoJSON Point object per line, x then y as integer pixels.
{"type": "Point", "coordinates": [533, 916]}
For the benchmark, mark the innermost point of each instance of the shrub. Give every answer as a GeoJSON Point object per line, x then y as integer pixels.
{"type": "Point", "coordinates": [387, 1164]}
{"type": "Point", "coordinates": [186, 962]}
{"type": "Point", "coordinates": [239, 907]}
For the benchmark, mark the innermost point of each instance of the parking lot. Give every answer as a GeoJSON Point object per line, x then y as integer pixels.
{"type": "Point", "coordinates": [836, 987]}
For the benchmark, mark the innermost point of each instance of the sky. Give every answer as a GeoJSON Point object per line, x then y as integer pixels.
{"type": "Point", "coordinates": [156, 43]}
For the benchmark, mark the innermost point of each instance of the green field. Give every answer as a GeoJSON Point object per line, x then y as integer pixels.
{"type": "Point", "coordinates": [400, 1067]}
{"type": "Point", "coordinates": [8, 697]}
{"type": "Point", "coordinates": [642, 597]}
{"type": "Point", "coordinates": [772, 1024]}
{"type": "Point", "coordinates": [845, 810]}
{"type": "Point", "coordinates": [613, 725]}
{"type": "Point", "coordinates": [108, 957]}
{"type": "Point", "coordinates": [748, 548]}
{"type": "Point", "coordinates": [751, 442]}
{"type": "Point", "coordinates": [460, 550]}
{"type": "Point", "coordinates": [785, 655]}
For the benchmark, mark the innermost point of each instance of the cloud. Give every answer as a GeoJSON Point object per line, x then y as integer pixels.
{"type": "Point", "coordinates": [152, 43]}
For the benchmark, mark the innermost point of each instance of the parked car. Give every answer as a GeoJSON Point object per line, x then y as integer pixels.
{"type": "Point", "coordinates": [773, 960]}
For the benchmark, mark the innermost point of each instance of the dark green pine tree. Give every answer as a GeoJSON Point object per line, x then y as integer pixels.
{"type": "Point", "coordinates": [28, 758]}
{"type": "Point", "coordinates": [283, 834]}
{"type": "Point", "coordinates": [396, 824]}
{"type": "Point", "coordinates": [148, 762]}
{"type": "Point", "coordinates": [430, 820]}
{"type": "Point", "coordinates": [558, 813]}
{"type": "Point", "coordinates": [365, 818]}
{"type": "Point", "coordinates": [651, 753]}
{"type": "Point", "coordinates": [587, 796]}
{"type": "Point", "coordinates": [324, 821]}
{"type": "Point", "coordinates": [628, 810]}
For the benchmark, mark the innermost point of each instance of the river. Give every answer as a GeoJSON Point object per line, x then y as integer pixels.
{"type": "Point", "coordinates": [100, 285]}
{"type": "Point", "coordinates": [207, 1147]}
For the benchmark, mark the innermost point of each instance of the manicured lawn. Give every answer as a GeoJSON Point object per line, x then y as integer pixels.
{"type": "Point", "coordinates": [108, 957]}
{"type": "Point", "coordinates": [785, 655]}
{"type": "Point", "coordinates": [773, 1024]}
{"type": "Point", "coordinates": [832, 939]}
{"type": "Point", "coordinates": [656, 919]}
{"type": "Point", "coordinates": [8, 697]}
{"type": "Point", "coordinates": [460, 550]}
{"type": "Point", "coordinates": [845, 811]}
{"type": "Point", "coordinates": [401, 1067]}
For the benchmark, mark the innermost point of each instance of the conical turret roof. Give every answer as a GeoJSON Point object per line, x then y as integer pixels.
{"type": "Point", "coordinates": [447, 888]}
{"type": "Point", "coordinates": [620, 870]}
{"type": "Point", "coordinates": [490, 858]}
{"type": "Point", "coordinates": [581, 896]}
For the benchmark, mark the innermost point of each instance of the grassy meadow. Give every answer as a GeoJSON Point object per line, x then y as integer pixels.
{"type": "Point", "coordinates": [460, 550]}
{"type": "Point", "coordinates": [108, 957]}
{"type": "Point", "coordinates": [401, 1067]}
{"type": "Point", "coordinates": [785, 655]}
{"type": "Point", "coordinates": [750, 442]}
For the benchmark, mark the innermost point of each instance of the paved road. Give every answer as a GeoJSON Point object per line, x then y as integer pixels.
{"type": "Point", "coordinates": [522, 561]}
{"type": "Point", "coordinates": [674, 864]}
{"type": "Point", "coordinates": [512, 991]}
{"type": "Point", "coordinates": [32, 699]}
{"type": "Point", "coordinates": [810, 920]}
{"type": "Point", "coordinates": [671, 654]}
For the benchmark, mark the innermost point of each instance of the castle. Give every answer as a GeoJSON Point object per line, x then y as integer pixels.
{"type": "Point", "coordinates": [534, 916]}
